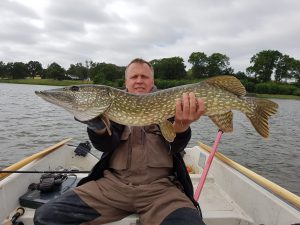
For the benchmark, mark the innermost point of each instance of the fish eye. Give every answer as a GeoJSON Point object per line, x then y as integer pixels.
{"type": "Point", "coordinates": [74, 88]}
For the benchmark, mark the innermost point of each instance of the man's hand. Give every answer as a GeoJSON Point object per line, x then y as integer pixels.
{"type": "Point", "coordinates": [188, 110]}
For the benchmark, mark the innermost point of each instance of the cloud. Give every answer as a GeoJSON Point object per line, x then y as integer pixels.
{"type": "Point", "coordinates": [71, 31]}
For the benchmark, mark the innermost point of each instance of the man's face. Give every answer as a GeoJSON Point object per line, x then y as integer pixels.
{"type": "Point", "coordinates": [139, 78]}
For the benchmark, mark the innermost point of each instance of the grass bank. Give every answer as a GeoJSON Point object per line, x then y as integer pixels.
{"type": "Point", "coordinates": [45, 82]}
{"type": "Point", "coordinates": [294, 97]}
{"type": "Point", "coordinates": [76, 82]}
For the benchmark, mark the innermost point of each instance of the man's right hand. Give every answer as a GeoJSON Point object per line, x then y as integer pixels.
{"type": "Point", "coordinates": [188, 109]}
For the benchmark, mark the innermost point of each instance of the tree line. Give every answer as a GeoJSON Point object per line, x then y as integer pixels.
{"type": "Point", "coordinates": [169, 71]}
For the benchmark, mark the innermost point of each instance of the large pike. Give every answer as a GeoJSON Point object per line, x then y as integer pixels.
{"type": "Point", "coordinates": [221, 95]}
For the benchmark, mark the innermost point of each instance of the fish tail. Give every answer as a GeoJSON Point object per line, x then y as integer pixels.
{"type": "Point", "coordinates": [259, 117]}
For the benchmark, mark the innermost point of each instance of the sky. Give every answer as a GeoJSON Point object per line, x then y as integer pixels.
{"type": "Point", "coordinates": [115, 31]}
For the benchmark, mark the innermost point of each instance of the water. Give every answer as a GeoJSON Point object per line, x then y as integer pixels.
{"type": "Point", "coordinates": [29, 124]}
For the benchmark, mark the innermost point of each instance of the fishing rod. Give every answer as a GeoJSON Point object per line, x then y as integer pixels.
{"type": "Point", "coordinates": [45, 171]}
{"type": "Point", "coordinates": [13, 221]}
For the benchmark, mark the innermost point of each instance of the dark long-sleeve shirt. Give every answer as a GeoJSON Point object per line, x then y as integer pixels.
{"type": "Point", "coordinates": [108, 144]}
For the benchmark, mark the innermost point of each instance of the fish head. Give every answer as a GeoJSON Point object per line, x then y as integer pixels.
{"type": "Point", "coordinates": [85, 102]}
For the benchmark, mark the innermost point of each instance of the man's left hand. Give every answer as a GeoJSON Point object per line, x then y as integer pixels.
{"type": "Point", "coordinates": [188, 109]}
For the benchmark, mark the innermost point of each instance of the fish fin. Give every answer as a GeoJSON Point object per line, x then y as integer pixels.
{"type": "Point", "coordinates": [223, 121]}
{"type": "Point", "coordinates": [167, 130]}
{"type": "Point", "coordinates": [229, 83]}
{"type": "Point", "coordinates": [89, 114]}
{"type": "Point", "coordinates": [106, 122]}
{"type": "Point", "coordinates": [259, 118]}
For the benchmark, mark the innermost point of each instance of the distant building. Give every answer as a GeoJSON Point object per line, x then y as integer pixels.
{"type": "Point", "coordinates": [72, 77]}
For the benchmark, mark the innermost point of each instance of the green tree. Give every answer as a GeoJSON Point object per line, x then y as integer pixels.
{"type": "Point", "coordinates": [218, 64]}
{"type": "Point", "coordinates": [112, 72]}
{"type": "Point", "coordinates": [44, 73]}
{"type": "Point", "coordinates": [92, 69]}
{"type": "Point", "coordinates": [16, 70]}
{"type": "Point", "coordinates": [283, 68]}
{"type": "Point", "coordinates": [295, 70]}
{"type": "Point", "coordinates": [55, 71]}
{"type": "Point", "coordinates": [240, 75]}
{"type": "Point", "coordinates": [101, 72]}
{"type": "Point", "coordinates": [264, 64]}
{"type": "Point", "coordinates": [156, 67]}
{"type": "Point", "coordinates": [78, 70]}
{"type": "Point", "coordinates": [34, 68]}
{"type": "Point", "coordinates": [2, 69]}
{"type": "Point", "coordinates": [169, 68]}
{"type": "Point", "coordinates": [199, 61]}
{"type": "Point", "coordinates": [9, 69]}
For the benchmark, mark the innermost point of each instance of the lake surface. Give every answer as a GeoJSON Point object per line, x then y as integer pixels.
{"type": "Point", "coordinates": [28, 124]}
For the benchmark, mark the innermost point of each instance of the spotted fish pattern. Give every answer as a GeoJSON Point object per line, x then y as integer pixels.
{"type": "Point", "coordinates": [220, 94]}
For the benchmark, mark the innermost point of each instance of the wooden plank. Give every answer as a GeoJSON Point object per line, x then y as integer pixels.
{"type": "Point", "coordinates": [269, 185]}
{"type": "Point", "coordinates": [33, 157]}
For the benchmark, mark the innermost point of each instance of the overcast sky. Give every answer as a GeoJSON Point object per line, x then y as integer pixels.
{"type": "Point", "coordinates": [115, 31]}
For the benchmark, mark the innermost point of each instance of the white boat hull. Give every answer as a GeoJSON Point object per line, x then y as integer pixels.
{"type": "Point", "coordinates": [228, 196]}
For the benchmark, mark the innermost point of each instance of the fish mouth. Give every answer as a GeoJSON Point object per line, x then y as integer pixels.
{"type": "Point", "coordinates": [45, 96]}
{"type": "Point", "coordinates": [53, 98]}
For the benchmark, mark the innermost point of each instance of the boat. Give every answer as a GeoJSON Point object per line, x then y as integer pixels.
{"type": "Point", "coordinates": [232, 194]}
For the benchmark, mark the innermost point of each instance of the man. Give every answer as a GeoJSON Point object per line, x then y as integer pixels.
{"type": "Point", "coordinates": [139, 171]}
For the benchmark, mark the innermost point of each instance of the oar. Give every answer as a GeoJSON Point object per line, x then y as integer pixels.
{"type": "Point", "coordinates": [33, 157]}
{"type": "Point", "coordinates": [207, 166]}
{"type": "Point", "coordinates": [44, 171]}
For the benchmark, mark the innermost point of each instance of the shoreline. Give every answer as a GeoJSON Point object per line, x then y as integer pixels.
{"type": "Point", "coordinates": [49, 82]}
{"type": "Point", "coordinates": [52, 82]}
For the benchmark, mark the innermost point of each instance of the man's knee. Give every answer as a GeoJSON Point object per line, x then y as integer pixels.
{"type": "Point", "coordinates": [66, 209]}
{"type": "Point", "coordinates": [183, 216]}
{"type": "Point", "coordinates": [41, 214]}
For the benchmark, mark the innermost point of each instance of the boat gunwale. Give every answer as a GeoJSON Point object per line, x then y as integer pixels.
{"type": "Point", "coordinates": [18, 165]}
